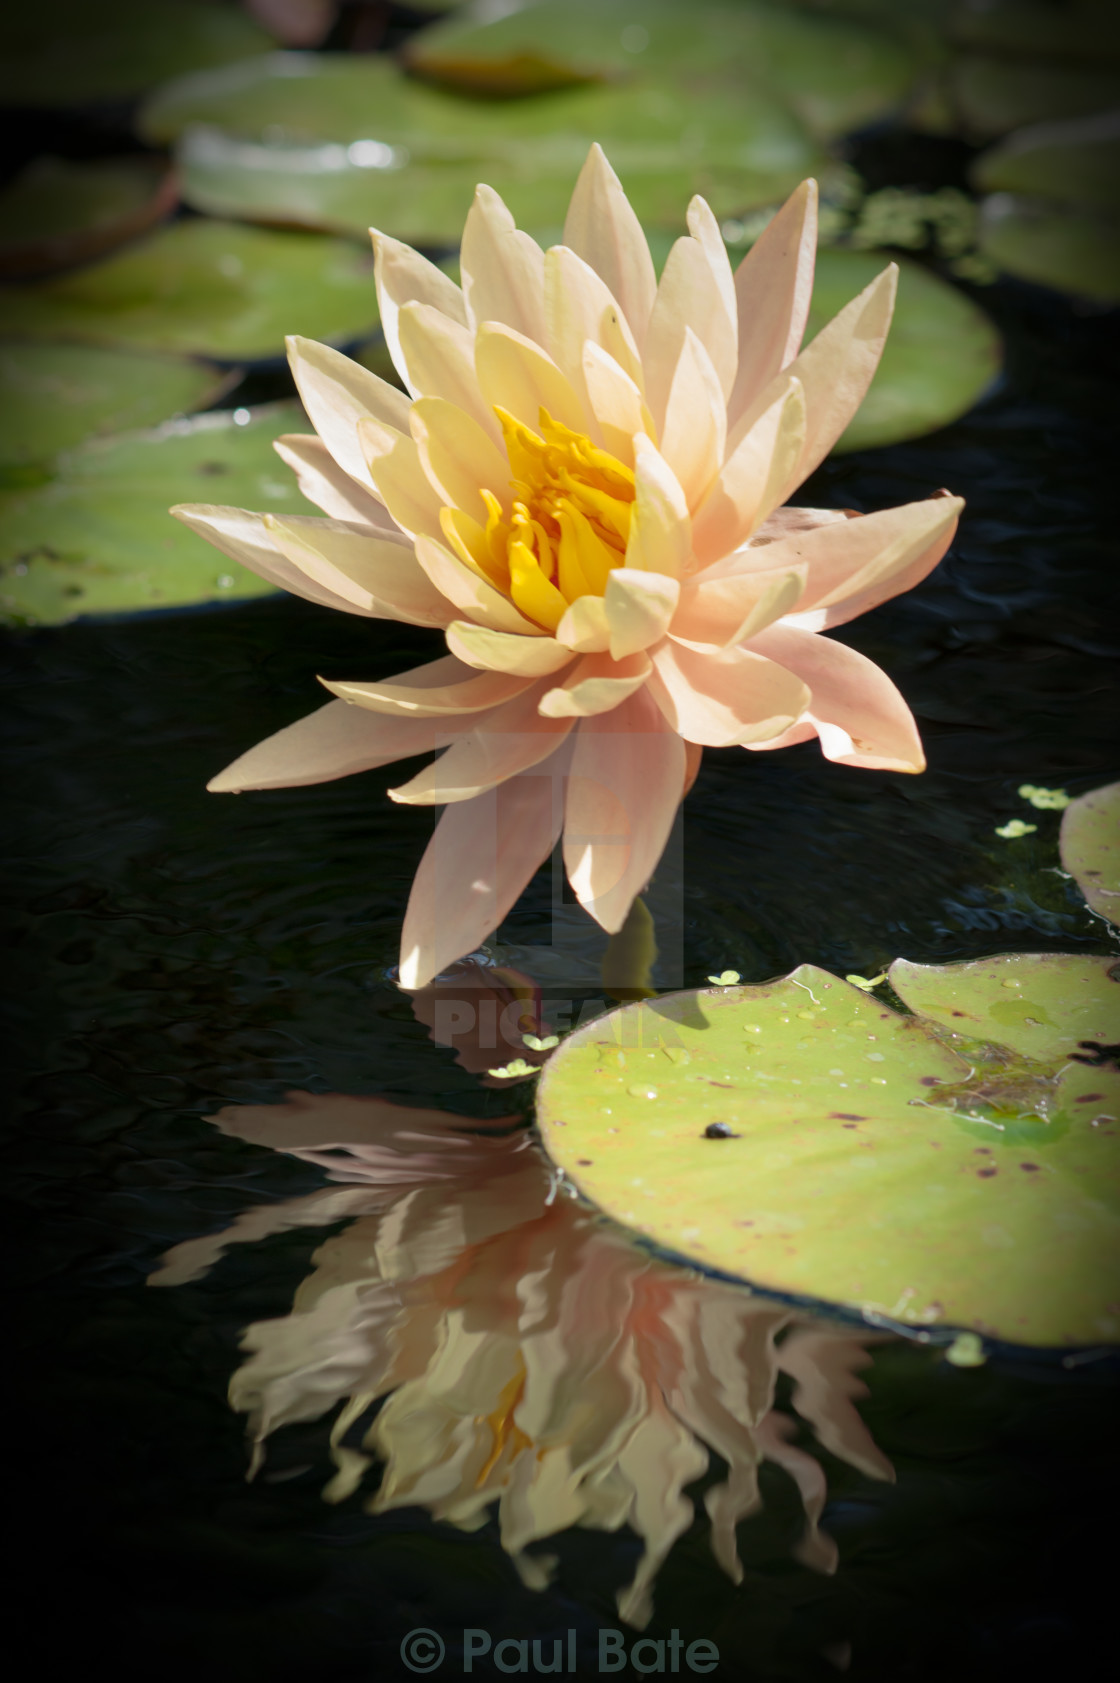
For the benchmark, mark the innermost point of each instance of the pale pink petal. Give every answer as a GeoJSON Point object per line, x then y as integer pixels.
{"type": "Point", "coordinates": [441, 688]}
{"type": "Point", "coordinates": [615, 402]}
{"type": "Point", "coordinates": [579, 309]}
{"type": "Point", "coordinates": [639, 607]}
{"type": "Point", "coordinates": [516, 374]}
{"type": "Point", "coordinates": [376, 570]}
{"type": "Point", "coordinates": [459, 458]}
{"type": "Point", "coordinates": [773, 287]}
{"type": "Point", "coordinates": [756, 475]}
{"type": "Point", "coordinates": [627, 774]}
{"type": "Point", "coordinates": [735, 696]}
{"type": "Point", "coordinates": [858, 714]}
{"type": "Point", "coordinates": [502, 269]}
{"type": "Point", "coordinates": [397, 475]}
{"type": "Point", "coordinates": [851, 557]}
{"type": "Point", "coordinates": [440, 357]}
{"type": "Point", "coordinates": [596, 684]}
{"type": "Point", "coordinates": [880, 584]}
{"type": "Point", "coordinates": [694, 755]}
{"type": "Point", "coordinates": [324, 483]}
{"type": "Point", "coordinates": [473, 595]}
{"type": "Point", "coordinates": [245, 537]}
{"type": "Point", "coordinates": [602, 228]}
{"type": "Point", "coordinates": [688, 296]}
{"type": "Point", "coordinates": [503, 651]}
{"type": "Point", "coordinates": [704, 229]}
{"type": "Point", "coordinates": [835, 370]}
{"type": "Point", "coordinates": [509, 740]}
{"type": "Point", "coordinates": [660, 538]}
{"type": "Point", "coordinates": [337, 392]}
{"type": "Point", "coordinates": [337, 741]}
{"type": "Point", "coordinates": [585, 627]}
{"type": "Point", "coordinates": [785, 521]}
{"type": "Point", "coordinates": [481, 857]}
{"type": "Point", "coordinates": [722, 611]}
{"type": "Point", "coordinates": [404, 277]}
{"type": "Point", "coordinates": [694, 436]}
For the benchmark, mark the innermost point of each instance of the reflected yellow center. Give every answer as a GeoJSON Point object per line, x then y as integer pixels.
{"type": "Point", "coordinates": [567, 525]}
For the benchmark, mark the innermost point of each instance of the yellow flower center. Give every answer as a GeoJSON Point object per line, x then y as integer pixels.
{"type": "Point", "coordinates": [567, 526]}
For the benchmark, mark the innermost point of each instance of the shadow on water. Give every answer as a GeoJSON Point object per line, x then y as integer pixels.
{"type": "Point", "coordinates": [173, 956]}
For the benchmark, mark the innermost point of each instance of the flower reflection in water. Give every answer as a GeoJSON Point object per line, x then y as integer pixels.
{"type": "Point", "coordinates": [522, 1350]}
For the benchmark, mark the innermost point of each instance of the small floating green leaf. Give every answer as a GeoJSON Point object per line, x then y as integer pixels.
{"type": "Point", "coordinates": [55, 396]}
{"type": "Point", "coordinates": [210, 289]}
{"type": "Point", "coordinates": [98, 538]}
{"type": "Point", "coordinates": [843, 1151]}
{"type": "Point", "coordinates": [1090, 848]}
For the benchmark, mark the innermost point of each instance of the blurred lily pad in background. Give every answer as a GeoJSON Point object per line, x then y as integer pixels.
{"type": "Point", "coordinates": [835, 75]}
{"type": "Point", "coordinates": [73, 51]}
{"type": "Point", "coordinates": [97, 537]}
{"type": "Point", "coordinates": [207, 288]}
{"type": "Point", "coordinates": [1053, 244]}
{"type": "Point", "coordinates": [954, 1168]}
{"type": "Point", "coordinates": [1090, 846]}
{"type": "Point", "coordinates": [57, 213]}
{"type": "Point", "coordinates": [941, 354]}
{"type": "Point", "coordinates": [331, 141]}
{"type": "Point", "coordinates": [55, 396]}
{"type": "Point", "coordinates": [1075, 163]}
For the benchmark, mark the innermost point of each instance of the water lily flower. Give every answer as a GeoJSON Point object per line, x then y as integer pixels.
{"type": "Point", "coordinates": [586, 490]}
{"type": "Point", "coordinates": [528, 1355]}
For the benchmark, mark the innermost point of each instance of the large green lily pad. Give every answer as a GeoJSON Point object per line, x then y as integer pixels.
{"type": "Point", "coordinates": [1075, 163]}
{"type": "Point", "coordinates": [345, 142]}
{"type": "Point", "coordinates": [804, 1136]}
{"type": "Point", "coordinates": [836, 74]}
{"type": "Point", "coordinates": [1090, 848]}
{"type": "Point", "coordinates": [209, 289]}
{"type": "Point", "coordinates": [57, 213]}
{"type": "Point", "coordinates": [55, 396]}
{"type": "Point", "coordinates": [71, 51]}
{"type": "Point", "coordinates": [98, 538]}
{"type": "Point", "coordinates": [1053, 244]}
{"type": "Point", "coordinates": [941, 354]}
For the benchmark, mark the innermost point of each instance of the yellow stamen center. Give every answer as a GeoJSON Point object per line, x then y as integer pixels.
{"type": "Point", "coordinates": [567, 527]}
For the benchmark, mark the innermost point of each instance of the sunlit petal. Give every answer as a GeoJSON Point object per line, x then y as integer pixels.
{"type": "Point", "coordinates": [773, 289]}
{"type": "Point", "coordinates": [337, 393]}
{"type": "Point", "coordinates": [736, 696]}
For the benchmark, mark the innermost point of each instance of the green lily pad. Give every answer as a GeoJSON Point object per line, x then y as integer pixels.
{"type": "Point", "coordinates": [208, 289]}
{"type": "Point", "coordinates": [941, 355]}
{"type": "Point", "coordinates": [1053, 244]}
{"type": "Point", "coordinates": [994, 95]}
{"type": "Point", "coordinates": [836, 74]}
{"type": "Point", "coordinates": [342, 142]}
{"type": "Point", "coordinates": [1075, 163]}
{"type": "Point", "coordinates": [98, 538]}
{"type": "Point", "coordinates": [1090, 848]}
{"type": "Point", "coordinates": [70, 51]}
{"type": "Point", "coordinates": [56, 213]}
{"type": "Point", "coordinates": [55, 396]}
{"type": "Point", "coordinates": [804, 1136]}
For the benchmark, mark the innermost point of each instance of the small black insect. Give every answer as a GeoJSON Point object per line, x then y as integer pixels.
{"type": "Point", "coordinates": [1095, 1054]}
{"type": "Point", "coordinates": [720, 1131]}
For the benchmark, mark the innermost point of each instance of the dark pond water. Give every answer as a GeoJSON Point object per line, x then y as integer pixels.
{"type": "Point", "coordinates": [172, 953]}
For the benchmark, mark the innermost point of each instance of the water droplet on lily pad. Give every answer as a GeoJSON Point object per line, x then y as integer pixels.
{"type": "Point", "coordinates": [875, 1197]}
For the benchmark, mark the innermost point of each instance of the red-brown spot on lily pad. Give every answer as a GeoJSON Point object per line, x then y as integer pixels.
{"type": "Point", "coordinates": [1088, 1098]}
{"type": "Point", "coordinates": [987, 1172]}
{"type": "Point", "coordinates": [845, 1116]}
{"type": "Point", "coordinates": [1031, 1168]}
